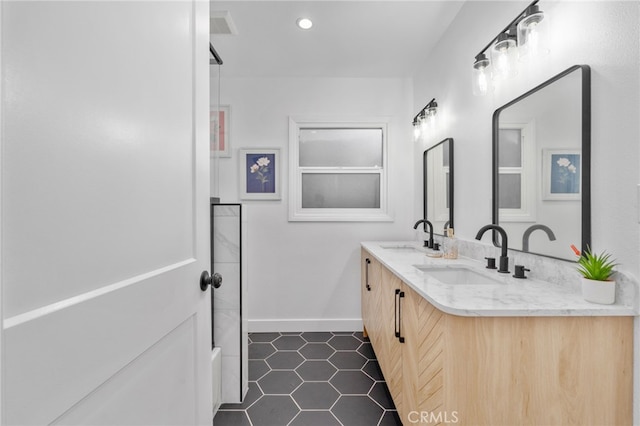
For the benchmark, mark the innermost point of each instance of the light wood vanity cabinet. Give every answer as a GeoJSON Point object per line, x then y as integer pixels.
{"type": "Point", "coordinates": [496, 370]}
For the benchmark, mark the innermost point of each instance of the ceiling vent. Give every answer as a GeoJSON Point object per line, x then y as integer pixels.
{"type": "Point", "coordinates": [221, 23]}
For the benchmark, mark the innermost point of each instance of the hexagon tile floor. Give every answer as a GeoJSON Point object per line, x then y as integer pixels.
{"type": "Point", "coordinates": [312, 379]}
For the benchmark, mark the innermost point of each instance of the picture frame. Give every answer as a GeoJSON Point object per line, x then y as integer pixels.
{"type": "Point", "coordinates": [561, 174]}
{"type": "Point", "coordinates": [220, 119]}
{"type": "Point", "coordinates": [260, 173]}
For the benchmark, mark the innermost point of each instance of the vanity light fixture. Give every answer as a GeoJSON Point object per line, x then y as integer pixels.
{"type": "Point", "coordinates": [304, 23]}
{"type": "Point", "coordinates": [425, 119]}
{"type": "Point", "coordinates": [522, 38]}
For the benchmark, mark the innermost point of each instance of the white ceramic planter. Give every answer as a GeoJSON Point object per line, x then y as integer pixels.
{"type": "Point", "coordinates": [603, 292]}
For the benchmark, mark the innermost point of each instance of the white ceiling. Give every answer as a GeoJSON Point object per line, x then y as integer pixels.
{"type": "Point", "coordinates": [348, 39]}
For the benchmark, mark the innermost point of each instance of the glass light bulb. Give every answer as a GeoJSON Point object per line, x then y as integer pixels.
{"type": "Point", "coordinates": [503, 57]}
{"type": "Point", "coordinates": [483, 82]}
{"type": "Point", "coordinates": [424, 125]}
{"type": "Point", "coordinates": [431, 118]}
{"type": "Point", "coordinates": [481, 75]}
{"type": "Point", "coordinates": [533, 40]}
{"type": "Point", "coordinates": [532, 35]}
{"type": "Point", "coordinates": [502, 64]}
{"type": "Point", "coordinates": [416, 131]}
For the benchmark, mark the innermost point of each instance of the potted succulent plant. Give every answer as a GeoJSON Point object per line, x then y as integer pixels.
{"type": "Point", "coordinates": [596, 270]}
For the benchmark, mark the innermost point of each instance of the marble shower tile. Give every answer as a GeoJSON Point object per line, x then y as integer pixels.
{"type": "Point", "coordinates": [227, 296]}
{"type": "Point", "coordinates": [231, 387]}
{"type": "Point", "coordinates": [226, 240]}
{"type": "Point", "coordinates": [227, 331]}
{"type": "Point", "coordinates": [221, 210]}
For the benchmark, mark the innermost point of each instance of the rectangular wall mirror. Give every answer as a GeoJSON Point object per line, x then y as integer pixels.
{"type": "Point", "coordinates": [438, 185]}
{"type": "Point", "coordinates": [541, 166]}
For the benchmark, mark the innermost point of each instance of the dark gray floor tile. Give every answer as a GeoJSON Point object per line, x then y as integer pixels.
{"type": "Point", "coordinates": [351, 382]}
{"type": "Point", "coordinates": [263, 337]}
{"type": "Point", "coordinates": [315, 337]}
{"type": "Point", "coordinates": [348, 343]}
{"type": "Point", "coordinates": [390, 418]}
{"type": "Point", "coordinates": [288, 343]}
{"type": "Point", "coordinates": [285, 360]}
{"type": "Point", "coordinates": [360, 336]}
{"type": "Point", "coordinates": [325, 383]}
{"type": "Point", "coordinates": [372, 368]}
{"type": "Point", "coordinates": [279, 382]}
{"type": "Point", "coordinates": [253, 394]}
{"type": "Point", "coordinates": [348, 360]}
{"type": "Point", "coordinates": [272, 410]}
{"type": "Point", "coordinates": [257, 369]}
{"type": "Point", "coordinates": [380, 394]}
{"type": "Point", "coordinates": [316, 351]}
{"type": "Point", "coordinates": [366, 350]}
{"type": "Point", "coordinates": [260, 350]}
{"type": "Point", "coordinates": [231, 418]}
{"type": "Point", "coordinates": [315, 418]}
{"type": "Point", "coordinates": [315, 396]}
{"type": "Point", "coordinates": [357, 411]}
{"type": "Point", "coordinates": [316, 370]}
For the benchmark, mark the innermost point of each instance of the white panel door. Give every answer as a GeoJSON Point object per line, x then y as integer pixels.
{"type": "Point", "coordinates": [104, 212]}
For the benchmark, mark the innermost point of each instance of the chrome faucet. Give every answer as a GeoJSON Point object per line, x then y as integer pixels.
{"type": "Point", "coordinates": [529, 230]}
{"type": "Point", "coordinates": [428, 244]}
{"type": "Point", "coordinates": [504, 260]}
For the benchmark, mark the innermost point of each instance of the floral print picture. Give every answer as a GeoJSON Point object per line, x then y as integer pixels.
{"type": "Point", "coordinates": [259, 175]}
{"type": "Point", "coordinates": [563, 171]}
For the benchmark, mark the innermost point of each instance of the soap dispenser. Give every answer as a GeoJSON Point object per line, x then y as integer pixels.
{"type": "Point", "coordinates": [451, 245]}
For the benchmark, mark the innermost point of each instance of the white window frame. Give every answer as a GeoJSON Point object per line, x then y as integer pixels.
{"type": "Point", "coordinates": [296, 212]}
{"type": "Point", "coordinates": [527, 172]}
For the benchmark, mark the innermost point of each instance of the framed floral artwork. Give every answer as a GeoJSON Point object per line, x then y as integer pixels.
{"type": "Point", "coordinates": [561, 174]}
{"type": "Point", "coordinates": [219, 144]}
{"type": "Point", "coordinates": [259, 174]}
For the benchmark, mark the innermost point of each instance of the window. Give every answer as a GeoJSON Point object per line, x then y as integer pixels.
{"type": "Point", "coordinates": [337, 171]}
{"type": "Point", "coordinates": [516, 175]}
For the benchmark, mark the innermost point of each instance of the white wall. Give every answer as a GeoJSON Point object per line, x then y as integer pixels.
{"type": "Point", "coordinates": [306, 276]}
{"type": "Point", "coordinates": [602, 34]}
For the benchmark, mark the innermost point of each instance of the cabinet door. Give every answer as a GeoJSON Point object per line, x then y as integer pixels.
{"type": "Point", "coordinates": [422, 356]}
{"type": "Point", "coordinates": [371, 293]}
{"type": "Point", "coordinates": [391, 357]}
{"type": "Point", "coordinates": [365, 291]}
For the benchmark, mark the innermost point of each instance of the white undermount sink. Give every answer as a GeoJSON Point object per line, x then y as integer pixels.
{"type": "Point", "coordinates": [398, 247]}
{"type": "Point", "coordinates": [456, 275]}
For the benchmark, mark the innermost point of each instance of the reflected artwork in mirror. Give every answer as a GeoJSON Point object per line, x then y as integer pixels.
{"type": "Point", "coordinates": [541, 166]}
{"type": "Point", "coordinates": [438, 185]}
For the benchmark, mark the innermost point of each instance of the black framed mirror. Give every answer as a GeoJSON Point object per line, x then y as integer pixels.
{"type": "Point", "coordinates": [437, 169]}
{"type": "Point", "coordinates": [541, 166]}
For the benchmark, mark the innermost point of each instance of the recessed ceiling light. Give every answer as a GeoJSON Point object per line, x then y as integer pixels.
{"type": "Point", "coordinates": [304, 23]}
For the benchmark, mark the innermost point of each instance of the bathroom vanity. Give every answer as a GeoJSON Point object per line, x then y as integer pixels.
{"type": "Point", "coordinates": [476, 347]}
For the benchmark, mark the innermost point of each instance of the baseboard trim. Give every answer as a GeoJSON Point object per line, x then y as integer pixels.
{"type": "Point", "coordinates": [293, 325]}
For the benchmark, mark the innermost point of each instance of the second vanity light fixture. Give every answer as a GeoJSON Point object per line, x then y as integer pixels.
{"type": "Point", "coordinates": [425, 119]}
{"type": "Point", "coordinates": [522, 39]}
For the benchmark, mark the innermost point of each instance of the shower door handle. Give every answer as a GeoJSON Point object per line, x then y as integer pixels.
{"type": "Point", "coordinates": [214, 281]}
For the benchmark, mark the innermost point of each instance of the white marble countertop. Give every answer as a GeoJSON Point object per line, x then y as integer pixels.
{"type": "Point", "coordinates": [511, 297]}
